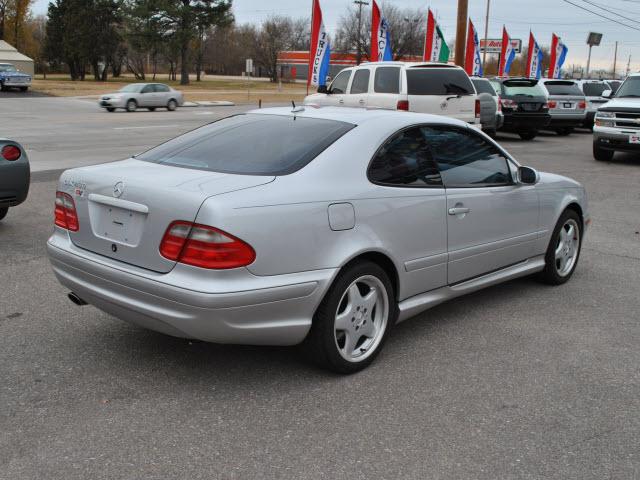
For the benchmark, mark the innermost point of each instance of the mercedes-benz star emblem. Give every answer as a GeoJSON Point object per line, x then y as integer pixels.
{"type": "Point", "coordinates": [118, 189]}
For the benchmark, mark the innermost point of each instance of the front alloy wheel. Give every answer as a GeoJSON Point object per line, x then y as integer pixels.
{"type": "Point", "coordinates": [564, 250]}
{"type": "Point", "coordinates": [131, 106]}
{"type": "Point", "coordinates": [354, 319]}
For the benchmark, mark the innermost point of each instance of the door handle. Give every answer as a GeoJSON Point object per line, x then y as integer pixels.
{"type": "Point", "coordinates": [459, 211]}
{"type": "Point", "coordinates": [361, 102]}
{"type": "Point", "coordinates": [341, 101]}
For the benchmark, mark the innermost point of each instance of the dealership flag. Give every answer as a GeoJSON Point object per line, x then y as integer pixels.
{"type": "Point", "coordinates": [320, 51]}
{"type": "Point", "coordinates": [534, 60]}
{"type": "Point", "coordinates": [435, 48]}
{"type": "Point", "coordinates": [473, 62]}
{"type": "Point", "coordinates": [558, 56]}
{"type": "Point", "coordinates": [507, 54]}
{"type": "Point", "coordinates": [380, 36]}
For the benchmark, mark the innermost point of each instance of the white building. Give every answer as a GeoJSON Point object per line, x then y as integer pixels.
{"type": "Point", "coordinates": [8, 54]}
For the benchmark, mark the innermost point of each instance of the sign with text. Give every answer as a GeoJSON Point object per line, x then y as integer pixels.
{"type": "Point", "coordinates": [494, 45]}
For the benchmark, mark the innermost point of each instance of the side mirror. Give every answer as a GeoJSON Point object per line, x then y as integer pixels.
{"type": "Point", "coordinates": [323, 89]}
{"type": "Point", "coordinates": [607, 94]}
{"type": "Point", "coordinates": [528, 175]}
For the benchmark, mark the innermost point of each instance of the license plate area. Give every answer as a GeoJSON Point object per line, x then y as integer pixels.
{"type": "Point", "coordinates": [634, 139]}
{"type": "Point", "coordinates": [567, 105]}
{"type": "Point", "coordinates": [116, 224]}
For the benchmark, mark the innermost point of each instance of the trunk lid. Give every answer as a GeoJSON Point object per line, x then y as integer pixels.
{"type": "Point", "coordinates": [124, 208]}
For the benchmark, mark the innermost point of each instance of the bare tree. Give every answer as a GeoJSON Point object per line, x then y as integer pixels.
{"type": "Point", "coordinates": [276, 35]}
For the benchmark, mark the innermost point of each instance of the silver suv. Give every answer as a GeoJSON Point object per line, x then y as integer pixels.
{"type": "Point", "coordinates": [617, 123]}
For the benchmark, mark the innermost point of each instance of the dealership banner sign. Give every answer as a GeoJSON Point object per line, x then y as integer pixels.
{"type": "Point", "coordinates": [380, 36]}
{"type": "Point", "coordinates": [473, 62]}
{"type": "Point", "coordinates": [320, 49]}
{"type": "Point", "coordinates": [534, 59]}
{"type": "Point", "coordinates": [435, 47]}
{"type": "Point", "coordinates": [558, 56]}
{"type": "Point", "coordinates": [507, 54]}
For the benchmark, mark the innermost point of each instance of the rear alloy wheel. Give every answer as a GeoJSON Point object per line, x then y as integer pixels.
{"type": "Point", "coordinates": [172, 105]}
{"type": "Point", "coordinates": [601, 154]}
{"type": "Point", "coordinates": [354, 319]}
{"type": "Point", "coordinates": [564, 249]}
{"type": "Point", "coordinates": [132, 106]}
{"type": "Point", "coordinates": [3, 212]}
{"type": "Point", "coordinates": [528, 135]}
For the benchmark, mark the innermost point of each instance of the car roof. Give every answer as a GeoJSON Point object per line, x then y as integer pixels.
{"type": "Point", "coordinates": [411, 65]}
{"type": "Point", "coordinates": [358, 116]}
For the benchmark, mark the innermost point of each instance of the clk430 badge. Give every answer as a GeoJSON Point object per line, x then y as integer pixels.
{"type": "Point", "coordinates": [78, 187]}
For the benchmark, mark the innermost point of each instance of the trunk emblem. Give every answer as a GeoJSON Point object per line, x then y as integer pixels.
{"type": "Point", "coordinates": [118, 189]}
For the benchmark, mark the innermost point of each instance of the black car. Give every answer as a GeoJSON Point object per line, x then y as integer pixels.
{"type": "Point", "coordinates": [14, 175]}
{"type": "Point", "coordinates": [524, 105]}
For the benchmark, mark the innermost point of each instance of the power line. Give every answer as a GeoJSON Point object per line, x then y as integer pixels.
{"type": "Point", "coordinates": [601, 15]}
{"type": "Point", "coordinates": [610, 11]}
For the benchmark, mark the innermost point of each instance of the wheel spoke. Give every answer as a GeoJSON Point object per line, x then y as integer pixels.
{"type": "Point", "coordinates": [571, 232]}
{"type": "Point", "coordinates": [343, 320]}
{"type": "Point", "coordinates": [369, 301]}
{"type": "Point", "coordinates": [350, 341]}
{"type": "Point", "coordinates": [368, 329]}
{"type": "Point", "coordinates": [559, 250]}
{"type": "Point", "coordinates": [355, 297]}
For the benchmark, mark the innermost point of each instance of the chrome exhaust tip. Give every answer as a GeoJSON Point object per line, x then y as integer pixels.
{"type": "Point", "coordinates": [77, 300]}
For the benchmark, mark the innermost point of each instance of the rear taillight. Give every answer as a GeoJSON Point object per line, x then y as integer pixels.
{"type": "Point", "coordinates": [403, 105]}
{"type": "Point", "coordinates": [552, 104]}
{"type": "Point", "coordinates": [11, 153]}
{"type": "Point", "coordinates": [478, 109]}
{"type": "Point", "coordinates": [205, 247]}
{"type": "Point", "coordinates": [66, 215]}
{"type": "Point", "coordinates": [499, 104]}
{"type": "Point", "coordinates": [508, 104]}
{"type": "Point", "coordinates": [582, 105]}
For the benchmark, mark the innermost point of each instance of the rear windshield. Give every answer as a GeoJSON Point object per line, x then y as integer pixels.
{"type": "Point", "coordinates": [484, 86]}
{"type": "Point", "coordinates": [438, 81]}
{"type": "Point", "coordinates": [523, 87]}
{"type": "Point", "coordinates": [594, 89]}
{"type": "Point", "coordinates": [250, 144]}
{"type": "Point", "coordinates": [563, 88]}
{"type": "Point", "coordinates": [615, 85]}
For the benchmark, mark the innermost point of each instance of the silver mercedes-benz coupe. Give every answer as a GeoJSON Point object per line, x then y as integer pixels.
{"type": "Point", "coordinates": [320, 226]}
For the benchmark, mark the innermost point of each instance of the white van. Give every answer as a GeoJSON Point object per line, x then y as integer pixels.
{"type": "Point", "coordinates": [434, 88]}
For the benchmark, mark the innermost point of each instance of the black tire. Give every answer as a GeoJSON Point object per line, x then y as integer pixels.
{"type": "Point", "coordinates": [492, 133]}
{"type": "Point", "coordinates": [3, 88]}
{"type": "Point", "coordinates": [152, 109]}
{"type": "Point", "coordinates": [322, 343]}
{"type": "Point", "coordinates": [528, 136]}
{"type": "Point", "coordinates": [3, 212]}
{"type": "Point", "coordinates": [111, 109]}
{"type": "Point", "coordinates": [602, 155]}
{"type": "Point", "coordinates": [132, 105]}
{"type": "Point", "coordinates": [24, 89]}
{"type": "Point", "coordinates": [551, 275]}
{"type": "Point", "coordinates": [172, 105]}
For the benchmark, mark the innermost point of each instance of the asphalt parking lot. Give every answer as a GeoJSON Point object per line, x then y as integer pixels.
{"type": "Point", "coordinates": [520, 381]}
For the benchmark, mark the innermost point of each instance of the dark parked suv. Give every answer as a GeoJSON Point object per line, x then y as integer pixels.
{"type": "Point", "coordinates": [524, 105]}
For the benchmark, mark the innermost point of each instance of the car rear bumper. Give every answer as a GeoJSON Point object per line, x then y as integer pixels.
{"type": "Point", "coordinates": [235, 308]}
{"type": "Point", "coordinates": [612, 139]}
{"type": "Point", "coordinates": [14, 182]}
{"type": "Point", "coordinates": [526, 122]}
{"type": "Point", "coordinates": [567, 120]}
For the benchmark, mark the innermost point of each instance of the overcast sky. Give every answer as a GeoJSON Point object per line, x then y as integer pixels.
{"type": "Point", "coordinates": [542, 16]}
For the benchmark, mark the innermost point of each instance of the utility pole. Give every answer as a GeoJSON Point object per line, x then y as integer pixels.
{"type": "Point", "coordinates": [486, 33]}
{"type": "Point", "coordinates": [629, 66]}
{"type": "Point", "coordinates": [360, 4]}
{"type": "Point", "coordinates": [615, 61]}
{"type": "Point", "coordinates": [461, 31]}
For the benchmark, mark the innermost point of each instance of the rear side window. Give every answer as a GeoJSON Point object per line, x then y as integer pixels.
{"type": "Point", "coordinates": [465, 159]}
{"type": "Point", "coordinates": [279, 145]}
{"type": "Point", "coordinates": [405, 161]}
{"type": "Point", "coordinates": [484, 86]}
{"type": "Point", "coordinates": [360, 82]}
{"type": "Point", "coordinates": [438, 81]}
{"type": "Point", "coordinates": [563, 88]}
{"type": "Point", "coordinates": [387, 80]}
{"type": "Point", "coordinates": [161, 88]}
{"type": "Point", "coordinates": [339, 84]}
{"type": "Point", "coordinates": [594, 89]}
{"type": "Point", "coordinates": [147, 89]}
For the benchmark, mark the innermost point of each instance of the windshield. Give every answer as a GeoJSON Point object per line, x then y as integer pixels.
{"type": "Point", "coordinates": [526, 88]}
{"type": "Point", "coordinates": [615, 85]}
{"type": "Point", "coordinates": [438, 81]}
{"type": "Point", "coordinates": [484, 86]}
{"type": "Point", "coordinates": [133, 88]}
{"type": "Point", "coordinates": [8, 68]}
{"type": "Point", "coordinates": [250, 144]}
{"type": "Point", "coordinates": [563, 88]}
{"type": "Point", "coordinates": [594, 89]}
{"type": "Point", "coordinates": [630, 88]}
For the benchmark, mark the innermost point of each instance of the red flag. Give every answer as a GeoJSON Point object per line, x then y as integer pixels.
{"type": "Point", "coordinates": [375, 25]}
{"type": "Point", "coordinates": [429, 40]}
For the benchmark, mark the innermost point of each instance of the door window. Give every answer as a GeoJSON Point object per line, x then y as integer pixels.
{"type": "Point", "coordinates": [161, 88]}
{"type": "Point", "coordinates": [465, 159]}
{"type": "Point", "coordinates": [339, 84]}
{"type": "Point", "coordinates": [360, 82]}
{"type": "Point", "coordinates": [147, 89]}
{"type": "Point", "coordinates": [387, 80]}
{"type": "Point", "coordinates": [405, 161]}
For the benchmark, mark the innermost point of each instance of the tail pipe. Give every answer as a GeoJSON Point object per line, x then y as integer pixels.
{"type": "Point", "coordinates": [77, 300]}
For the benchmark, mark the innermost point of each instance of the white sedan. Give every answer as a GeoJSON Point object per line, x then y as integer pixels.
{"type": "Point", "coordinates": [143, 95]}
